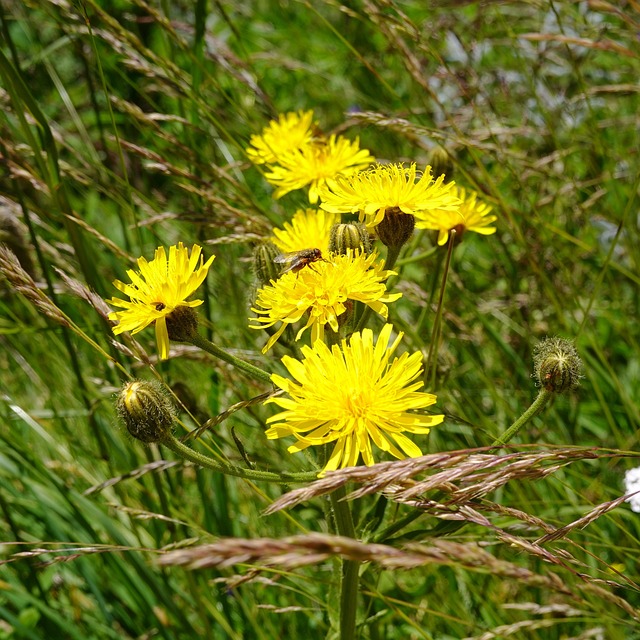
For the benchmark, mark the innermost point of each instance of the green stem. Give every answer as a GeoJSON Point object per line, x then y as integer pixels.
{"type": "Point", "coordinates": [392, 255]}
{"type": "Point", "coordinates": [200, 459]}
{"type": "Point", "coordinates": [432, 358]}
{"type": "Point", "coordinates": [206, 345]}
{"type": "Point", "coordinates": [349, 568]}
{"type": "Point", "coordinates": [398, 526]}
{"type": "Point", "coordinates": [536, 407]}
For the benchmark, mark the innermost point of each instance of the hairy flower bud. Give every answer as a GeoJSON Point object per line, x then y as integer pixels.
{"type": "Point", "coordinates": [396, 228]}
{"type": "Point", "coordinates": [264, 266]}
{"type": "Point", "coordinates": [557, 365]}
{"type": "Point", "coordinates": [146, 410]}
{"type": "Point", "coordinates": [182, 324]}
{"type": "Point", "coordinates": [350, 235]}
{"type": "Point", "coordinates": [441, 162]}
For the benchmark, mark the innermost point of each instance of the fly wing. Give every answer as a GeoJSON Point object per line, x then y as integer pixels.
{"type": "Point", "coordinates": [286, 258]}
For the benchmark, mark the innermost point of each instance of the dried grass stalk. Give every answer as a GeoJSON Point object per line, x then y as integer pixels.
{"type": "Point", "coordinates": [464, 475]}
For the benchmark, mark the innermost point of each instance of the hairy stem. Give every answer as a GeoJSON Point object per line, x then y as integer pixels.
{"type": "Point", "coordinates": [536, 407]}
{"type": "Point", "coordinates": [349, 578]}
{"type": "Point", "coordinates": [200, 459]}
{"type": "Point", "coordinates": [246, 367]}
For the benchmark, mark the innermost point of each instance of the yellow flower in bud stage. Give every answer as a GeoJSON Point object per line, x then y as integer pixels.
{"type": "Point", "coordinates": [353, 395]}
{"type": "Point", "coordinates": [473, 215]}
{"type": "Point", "coordinates": [314, 163]}
{"type": "Point", "coordinates": [157, 289]}
{"type": "Point", "coordinates": [309, 229]}
{"type": "Point", "coordinates": [325, 290]}
{"type": "Point", "coordinates": [290, 131]}
{"type": "Point", "coordinates": [390, 186]}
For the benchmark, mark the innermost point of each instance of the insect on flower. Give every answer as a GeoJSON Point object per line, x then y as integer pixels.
{"type": "Point", "coordinates": [296, 260]}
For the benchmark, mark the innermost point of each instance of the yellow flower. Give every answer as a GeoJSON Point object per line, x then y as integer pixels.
{"type": "Point", "coordinates": [325, 290]}
{"type": "Point", "coordinates": [353, 395]}
{"type": "Point", "coordinates": [472, 216]}
{"type": "Point", "coordinates": [391, 186]}
{"type": "Point", "coordinates": [314, 163]}
{"type": "Point", "coordinates": [157, 289]}
{"type": "Point", "coordinates": [309, 229]}
{"type": "Point", "coordinates": [291, 131]}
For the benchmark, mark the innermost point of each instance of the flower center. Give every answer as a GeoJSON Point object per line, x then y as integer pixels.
{"type": "Point", "coordinates": [357, 402]}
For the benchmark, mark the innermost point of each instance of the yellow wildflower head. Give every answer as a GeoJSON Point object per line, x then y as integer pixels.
{"type": "Point", "coordinates": [390, 186]}
{"type": "Point", "coordinates": [353, 395]}
{"type": "Point", "coordinates": [290, 131]}
{"type": "Point", "coordinates": [312, 164]}
{"type": "Point", "coordinates": [159, 288]}
{"type": "Point", "coordinates": [324, 290]}
{"type": "Point", "coordinates": [473, 215]}
{"type": "Point", "coordinates": [308, 228]}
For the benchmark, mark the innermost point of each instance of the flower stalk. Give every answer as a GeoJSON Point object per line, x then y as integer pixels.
{"type": "Point", "coordinates": [349, 569]}
{"type": "Point", "coordinates": [536, 407]}
{"type": "Point", "coordinates": [186, 453]}
{"type": "Point", "coordinates": [203, 343]}
{"type": "Point", "coordinates": [430, 369]}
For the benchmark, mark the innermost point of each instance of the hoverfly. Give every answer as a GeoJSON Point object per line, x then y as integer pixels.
{"type": "Point", "coordinates": [296, 260]}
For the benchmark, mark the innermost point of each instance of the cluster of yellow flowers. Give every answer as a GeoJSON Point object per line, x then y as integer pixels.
{"type": "Point", "coordinates": [298, 155]}
{"type": "Point", "coordinates": [345, 389]}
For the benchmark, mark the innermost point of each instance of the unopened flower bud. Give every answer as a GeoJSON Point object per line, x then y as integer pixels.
{"type": "Point", "coordinates": [396, 227]}
{"type": "Point", "coordinates": [557, 365]}
{"type": "Point", "coordinates": [182, 324]}
{"type": "Point", "coordinates": [266, 269]}
{"type": "Point", "coordinates": [350, 235]}
{"type": "Point", "coordinates": [441, 162]}
{"type": "Point", "coordinates": [146, 410]}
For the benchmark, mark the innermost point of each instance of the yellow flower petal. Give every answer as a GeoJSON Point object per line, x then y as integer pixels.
{"type": "Point", "coordinates": [324, 290]}
{"type": "Point", "coordinates": [473, 215]}
{"type": "Point", "coordinates": [353, 395]}
{"type": "Point", "coordinates": [290, 131]}
{"type": "Point", "coordinates": [309, 229]}
{"type": "Point", "coordinates": [313, 164]}
{"type": "Point", "coordinates": [391, 186]}
{"type": "Point", "coordinates": [157, 289]}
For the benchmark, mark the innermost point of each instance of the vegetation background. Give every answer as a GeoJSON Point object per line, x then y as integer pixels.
{"type": "Point", "coordinates": [123, 128]}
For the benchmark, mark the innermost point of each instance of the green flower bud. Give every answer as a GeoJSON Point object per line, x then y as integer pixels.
{"type": "Point", "coordinates": [266, 269]}
{"type": "Point", "coordinates": [351, 235]}
{"type": "Point", "coordinates": [441, 162]}
{"type": "Point", "coordinates": [557, 365]}
{"type": "Point", "coordinates": [182, 324]}
{"type": "Point", "coordinates": [396, 227]}
{"type": "Point", "coordinates": [146, 410]}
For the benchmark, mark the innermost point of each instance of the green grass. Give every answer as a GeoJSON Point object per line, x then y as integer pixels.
{"type": "Point", "coordinates": [123, 128]}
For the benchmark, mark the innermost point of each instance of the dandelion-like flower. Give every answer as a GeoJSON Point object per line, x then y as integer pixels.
{"type": "Point", "coordinates": [473, 215]}
{"type": "Point", "coordinates": [159, 288]}
{"type": "Point", "coordinates": [308, 229]}
{"type": "Point", "coordinates": [324, 290]}
{"type": "Point", "coordinates": [289, 132]}
{"type": "Point", "coordinates": [313, 164]}
{"type": "Point", "coordinates": [391, 186]}
{"type": "Point", "coordinates": [353, 395]}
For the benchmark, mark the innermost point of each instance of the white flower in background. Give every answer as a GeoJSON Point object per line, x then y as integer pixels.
{"type": "Point", "coordinates": [632, 484]}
